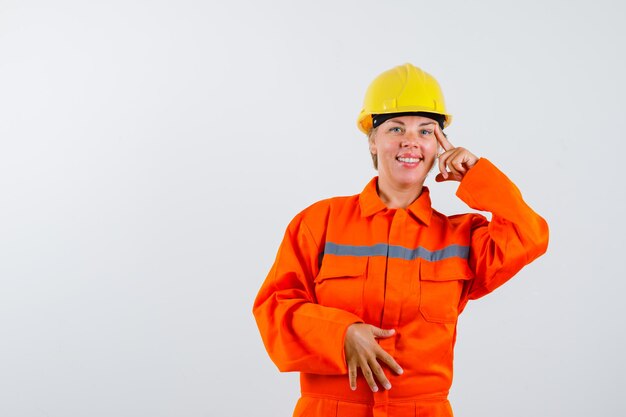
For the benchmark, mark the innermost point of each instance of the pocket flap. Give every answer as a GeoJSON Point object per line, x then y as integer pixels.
{"type": "Point", "coordinates": [448, 270]}
{"type": "Point", "coordinates": [341, 267]}
{"type": "Point", "coordinates": [441, 286]}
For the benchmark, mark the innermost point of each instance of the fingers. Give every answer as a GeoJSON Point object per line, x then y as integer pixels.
{"type": "Point", "coordinates": [382, 354]}
{"type": "Point", "coordinates": [390, 361]}
{"type": "Point", "coordinates": [450, 177]}
{"type": "Point", "coordinates": [442, 166]}
{"type": "Point", "coordinates": [378, 372]}
{"type": "Point", "coordinates": [442, 139]}
{"type": "Point", "coordinates": [368, 370]}
{"type": "Point", "coordinates": [382, 333]}
{"type": "Point", "coordinates": [352, 374]}
{"type": "Point", "coordinates": [449, 166]}
{"type": "Point", "coordinates": [372, 372]}
{"type": "Point", "coordinates": [362, 351]}
{"type": "Point", "coordinates": [454, 164]}
{"type": "Point", "coordinates": [452, 161]}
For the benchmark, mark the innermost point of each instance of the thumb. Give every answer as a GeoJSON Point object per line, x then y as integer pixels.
{"type": "Point", "coordinates": [451, 177]}
{"type": "Point", "coordinates": [377, 332]}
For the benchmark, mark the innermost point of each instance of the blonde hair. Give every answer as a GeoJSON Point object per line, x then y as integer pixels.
{"type": "Point", "coordinates": [370, 140]}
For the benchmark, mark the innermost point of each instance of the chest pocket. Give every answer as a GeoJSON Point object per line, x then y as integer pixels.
{"type": "Point", "coordinates": [441, 287]}
{"type": "Point", "coordinates": [341, 281]}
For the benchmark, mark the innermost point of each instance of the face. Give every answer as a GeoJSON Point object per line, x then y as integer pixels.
{"type": "Point", "coordinates": [406, 148]}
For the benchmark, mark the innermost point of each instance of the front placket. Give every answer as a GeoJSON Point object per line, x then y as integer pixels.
{"type": "Point", "coordinates": [396, 289]}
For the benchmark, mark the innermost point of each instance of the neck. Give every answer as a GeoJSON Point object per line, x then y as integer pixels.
{"type": "Point", "coordinates": [395, 196]}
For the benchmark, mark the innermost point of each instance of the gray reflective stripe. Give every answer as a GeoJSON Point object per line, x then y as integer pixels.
{"type": "Point", "coordinates": [380, 249]}
{"type": "Point", "coordinates": [397, 252]}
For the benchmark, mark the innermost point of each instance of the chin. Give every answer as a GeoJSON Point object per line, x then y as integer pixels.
{"type": "Point", "coordinates": [411, 181]}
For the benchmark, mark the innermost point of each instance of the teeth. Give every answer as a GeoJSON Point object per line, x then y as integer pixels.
{"type": "Point", "coordinates": [409, 160]}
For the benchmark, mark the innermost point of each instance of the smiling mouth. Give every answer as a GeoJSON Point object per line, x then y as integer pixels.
{"type": "Point", "coordinates": [409, 160]}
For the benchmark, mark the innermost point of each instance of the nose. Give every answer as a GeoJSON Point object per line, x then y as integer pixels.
{"type": "Point", "coordinates": [410, 140]}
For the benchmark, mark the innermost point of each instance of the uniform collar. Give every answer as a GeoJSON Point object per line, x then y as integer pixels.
{"type": "Point", "coordinates": [371, 203]}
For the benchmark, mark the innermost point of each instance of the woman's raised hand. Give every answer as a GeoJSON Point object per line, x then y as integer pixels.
{"type": "Point", "coordinates": [362, 351]}
{"type": "Point", "coordinates": [453, 162]}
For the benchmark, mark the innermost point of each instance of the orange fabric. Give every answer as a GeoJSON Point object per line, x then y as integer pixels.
{"type": "Point", "coordinates": [351, 259]}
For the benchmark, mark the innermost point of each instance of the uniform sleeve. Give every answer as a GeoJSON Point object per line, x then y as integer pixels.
{"type": "Point", "coordinates": [515, 236]}
{"type": "Point", "coordinates": [299, 334]}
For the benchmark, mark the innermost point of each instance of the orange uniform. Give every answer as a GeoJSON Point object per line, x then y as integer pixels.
{"type": "Point", "coordinates": [351, 259]}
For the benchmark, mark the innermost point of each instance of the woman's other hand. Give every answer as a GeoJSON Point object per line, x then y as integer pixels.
{"type": "Point", "coordinates": [362, 351]}
{"type": "Point", "coordinates": [453, 162]}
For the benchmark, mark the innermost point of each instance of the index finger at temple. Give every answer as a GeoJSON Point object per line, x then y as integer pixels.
{"type": "Point", "coordinates": [442, 139]}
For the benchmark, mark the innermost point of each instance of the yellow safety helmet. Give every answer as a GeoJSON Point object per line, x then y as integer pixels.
{"type": "Point", "coordinates": [403, 89]}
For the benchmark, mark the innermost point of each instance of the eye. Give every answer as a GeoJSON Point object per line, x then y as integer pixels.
{"type": "Point", "coordinates": [395, 129]}
{"type": "Point", "coordinates": [426, 132]}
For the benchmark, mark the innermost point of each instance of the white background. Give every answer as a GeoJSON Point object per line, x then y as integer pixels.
{"type": "Point", "coordinates": [153, 152]}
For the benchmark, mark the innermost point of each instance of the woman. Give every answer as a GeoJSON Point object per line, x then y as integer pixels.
{"type": "Point", "coordinates": [365, 292]}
